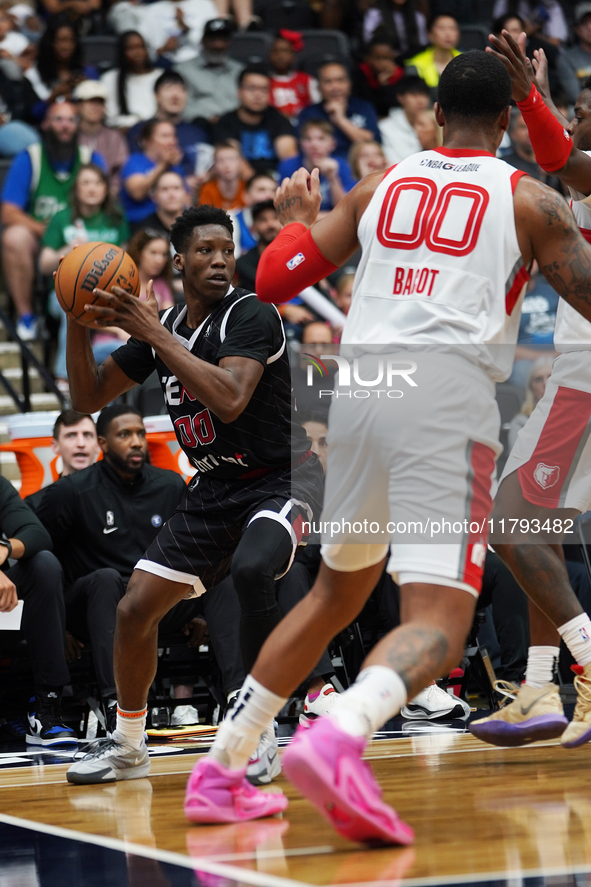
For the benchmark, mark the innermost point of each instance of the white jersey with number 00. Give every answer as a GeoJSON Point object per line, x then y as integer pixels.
{"type": "Point", "coordinates": [441, 264]}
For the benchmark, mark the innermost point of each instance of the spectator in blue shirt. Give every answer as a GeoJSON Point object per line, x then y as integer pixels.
{"type": "Point", "coordinates": [160, 152]}
{"type": "Point", "coordinates": [37, 186]}
{"type": "Point", "coordinates": [318, 144]}
{"type": "Point", "coordinates": [171, 99]}
{"type": "Point", "coordinates": [354, 120]}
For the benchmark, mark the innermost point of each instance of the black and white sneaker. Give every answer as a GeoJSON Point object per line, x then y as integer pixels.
{"type": "Point", "coordinates": [45, 724]}
{"type": "Point", "coordinates": [110, 760]}
{"type": "Point", "coordinates": [432, 703]}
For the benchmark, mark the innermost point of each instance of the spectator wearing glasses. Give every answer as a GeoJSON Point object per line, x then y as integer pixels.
{"type": "Point", "coordinates": [264, 135]}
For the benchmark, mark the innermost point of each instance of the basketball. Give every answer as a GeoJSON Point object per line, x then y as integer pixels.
{"type": "Point", "coordinates": [93, 266]}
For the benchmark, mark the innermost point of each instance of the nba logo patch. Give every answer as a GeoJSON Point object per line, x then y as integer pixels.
{"type": "Point", "coordinates": [297, 260]}
{"type": "Point", "coordinates": [584, 634]}
{"type": "Point", "coordinates": [156, 520]}
{"type": "Point", "coordinates": [110, 519]}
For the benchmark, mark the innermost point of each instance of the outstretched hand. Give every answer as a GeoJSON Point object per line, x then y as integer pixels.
{"type": "Point", "coordinates": [298, 199]}
{"type": "Point", "coordinates": [512, 55]}
{"type": "Point", "coordinates": [120, 308]}
{"type": "Point", "coordinates": [540, 65]}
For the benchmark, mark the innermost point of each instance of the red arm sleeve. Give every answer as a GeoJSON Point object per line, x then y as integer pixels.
{"type": "Point", "coordinates": [290, 264]}
{"type": "Point", "coordinates": [551, 143]}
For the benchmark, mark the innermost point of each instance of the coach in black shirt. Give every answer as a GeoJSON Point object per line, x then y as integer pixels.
{"type": "Point", "coordinates": [101, 520]}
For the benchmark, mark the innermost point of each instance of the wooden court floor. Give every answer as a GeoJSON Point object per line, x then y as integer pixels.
{"type": "Point", "coordinates": [480, 813]}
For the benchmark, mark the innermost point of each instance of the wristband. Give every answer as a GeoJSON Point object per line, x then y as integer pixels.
{"type": "Point", "coordinates": [290, 264]}
{"type": "Point", "coordinates": [551, 142]}
{"type": "Point", "coordinates": [4, 540]}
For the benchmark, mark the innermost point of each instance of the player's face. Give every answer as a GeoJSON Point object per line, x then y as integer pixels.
{"type": "Point", "coordinates": [580, 125]}
{"type": "Point", "coordinates": [317, 432]}
{"type": "Point", "coordinates": [125, 445]}
{"type": "Point", "coordinates": [208, 265]}
{"type": "Point", "coordinates": [77, 445]}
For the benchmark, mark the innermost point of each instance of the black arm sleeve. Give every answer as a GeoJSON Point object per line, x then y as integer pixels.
{"type": "Point", "coordinates": [18, 521]}
{"type": "Point", "coordinates": [254, 330]}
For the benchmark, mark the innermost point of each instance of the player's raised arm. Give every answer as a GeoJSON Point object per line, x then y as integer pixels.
{"type": "Point", "coordinates": [548, 233]}
{"type": "Point", "coordinates": [306, 251]}
{"type": "Point", "coordinates": [552, 143]}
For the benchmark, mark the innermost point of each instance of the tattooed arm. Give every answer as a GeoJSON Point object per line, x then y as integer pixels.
{"type": "Point", "coordinates": [547, 232]}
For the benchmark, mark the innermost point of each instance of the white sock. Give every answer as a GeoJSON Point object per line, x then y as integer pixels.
{"type": "Point", "coordinates": [131, 726]}
{"type": "Point", "coordinates": [576, 634]}
{"type": "Point", "coordinates": [541, 662]}
{"type": "Point", "coordinates": [377, 694]}
{"type": "Point", "coordinates": [239, 733]}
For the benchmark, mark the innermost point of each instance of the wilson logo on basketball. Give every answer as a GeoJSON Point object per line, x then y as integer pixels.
{"type": "Point", "coordinates": [546, 476]}
{"type": "Point", "coordinates": [97, 270]}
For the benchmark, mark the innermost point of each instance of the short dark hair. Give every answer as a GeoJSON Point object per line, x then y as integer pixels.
{"type": "Point", "coordinates": [319, 416]}
{"type": "Point", "coordinates": [412, 83]}
{"type": "Point", "coordinates": [112, 412]}
{"type": "Point", "coordinates": [67, 419]}
{"type": "Point", "coordinates": [252, 69]}
{"type": "Point", "coordinates": [169, 77]}
{"type": "Point", "coordinates": [261, 207]}
{"type": "Point", "coordinates": [194, 217]}
{"type": "Point", "coordinates": [474, 86]}
{"type": "Point", "coordinates": [328, 62]}
{"type": "Point", "coordinates": [586, 84]}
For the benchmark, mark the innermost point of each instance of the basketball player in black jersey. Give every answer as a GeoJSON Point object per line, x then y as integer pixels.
{"type": "Point", "coordinates": [224, 370]}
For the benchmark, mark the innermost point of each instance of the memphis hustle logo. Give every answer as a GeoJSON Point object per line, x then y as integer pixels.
{"type": "Point", "coordinates": [97, 270]}
{"type": "Point", "coordinates": [348, 381]}
{"type": "Point", "coordinates": [546, 476]}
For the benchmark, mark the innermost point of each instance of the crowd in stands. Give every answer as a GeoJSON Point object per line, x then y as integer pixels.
{"type": "Point", "coordinates": [114, 150]}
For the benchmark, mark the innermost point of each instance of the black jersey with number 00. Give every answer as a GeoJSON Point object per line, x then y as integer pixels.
{"type": "Point", "coordinates": [263, 435]}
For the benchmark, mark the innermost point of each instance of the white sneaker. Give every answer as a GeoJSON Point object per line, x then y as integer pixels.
{"type": "Point", "coordinates": [265, 764]}
{"type": "Point", "coordinates": [323, 704]}
{"type": "Point", "coordinates": [108, 761]}
{"type": "Point", "coordinates": [432, 703]}
{"type": "Point", "coordinates": [184, 716]}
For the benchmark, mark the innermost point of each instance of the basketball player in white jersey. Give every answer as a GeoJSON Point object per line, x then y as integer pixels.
{"type": "Point", "coordinates": [547, 477]}
{"type": "Point", "coordinates": [447, 237]}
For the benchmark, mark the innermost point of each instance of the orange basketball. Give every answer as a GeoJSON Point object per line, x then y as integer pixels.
{"type": "Point", "coordinates": [89, 266]}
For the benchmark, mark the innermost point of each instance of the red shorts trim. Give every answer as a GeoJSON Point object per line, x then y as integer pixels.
{"type": "Point", "coordinates": [482, 465]}
{"type": "Point", "coordinates": [542, 478]}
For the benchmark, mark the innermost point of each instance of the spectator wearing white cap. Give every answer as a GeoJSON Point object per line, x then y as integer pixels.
{"type": "Point", "coordinates": [91, 97]}
{"type": "Point", "coordinates": [574, 65]}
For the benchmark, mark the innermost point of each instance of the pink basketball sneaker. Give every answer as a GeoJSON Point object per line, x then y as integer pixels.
{"type": "Point", "coordinates": [216, 794]}
{"type": "Point", "coordinates": [325, 764]}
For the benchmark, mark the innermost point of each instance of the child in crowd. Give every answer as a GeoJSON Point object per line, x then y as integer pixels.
{"type": "Point", "coordinates": [291, 90]}
{"type": "Point", "coordinates": [365, 158]}
{"type": "Point", "coordinates": [226, 189]}
{"type": "Point", "coordinates": [317, 146]}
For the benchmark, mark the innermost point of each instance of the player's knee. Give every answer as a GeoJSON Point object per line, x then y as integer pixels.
{"type": "Point", "coordinates": [254, 576]}
{"type": "Point", "coordinates": [132, 613]}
